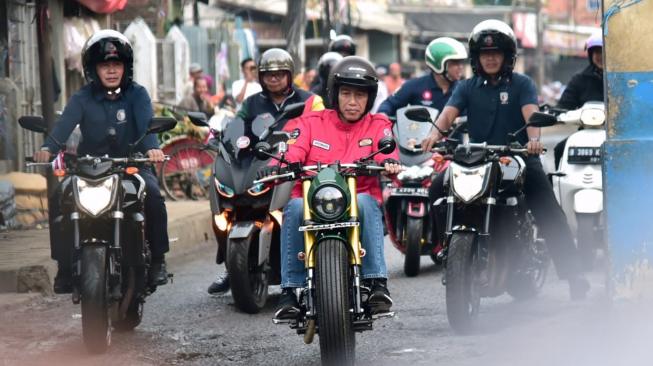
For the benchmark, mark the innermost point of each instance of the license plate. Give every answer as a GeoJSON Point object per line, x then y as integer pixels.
{"type": "Point", "coordinates": [584, 155]}
{"type": "Point", "coordinates": [410, 191]}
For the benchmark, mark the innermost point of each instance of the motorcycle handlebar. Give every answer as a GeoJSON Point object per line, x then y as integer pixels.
{"type": "Point", "coordinates": [308, 168]}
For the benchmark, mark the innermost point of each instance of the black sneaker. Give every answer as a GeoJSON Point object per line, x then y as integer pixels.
{"type": "Point", "coordinates": [63, 281]}
{"type": "Point", "coordinates": [288, 307]}
{"type": "Point", "coordinates": [380, 300]}
{"type": "Point", "coordinates": [578, 287]}
{"type": "Point", "coordinates": [158, 273]}
{"type": "Point", "coordinates": [220, 285]}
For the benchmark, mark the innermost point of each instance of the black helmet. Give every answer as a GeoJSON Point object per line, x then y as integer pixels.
{"type": "Point", "coordinates": [275, 59]}
{"type": "Point", "coordinates": [353, 71]}
{"type": "Point", "coordinates": [326, 62]}
{"type": "Point", "coordinates": [493, 34]}
{"type": "Point", "coordinates": [105, 45]}
{"type": "Point", "coordinates": [344, 45]}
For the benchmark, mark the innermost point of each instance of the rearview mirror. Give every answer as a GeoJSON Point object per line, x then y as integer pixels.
{"type": "Point", "coordinates": [33, 123]}
{"type": "Point", "coordinates": [539, 119]}
{"type": "Point", "coordinates": [419, 115]}
{"type": "Point", "coordinates": [198, 119]}
{"type": "Point", "coordinates": [387, 145]}
{"type": "Point", "coordinates": [161, 124]}
{"type": "Point", "coordinates": [292, 111]}
{"type": "Point", "coordinates": [262, 150]}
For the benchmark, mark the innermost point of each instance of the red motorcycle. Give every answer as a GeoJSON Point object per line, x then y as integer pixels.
{"type": "Point", "coordinates": [406, 200]}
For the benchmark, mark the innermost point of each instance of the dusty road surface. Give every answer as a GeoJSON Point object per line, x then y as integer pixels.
{"type": "Point", "coordinates": [185, 326]}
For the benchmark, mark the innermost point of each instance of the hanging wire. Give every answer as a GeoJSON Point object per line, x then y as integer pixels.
{"type": "Point", "coordinates": [614, 9]}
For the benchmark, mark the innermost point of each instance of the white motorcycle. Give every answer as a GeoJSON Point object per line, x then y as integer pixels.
{"type": "Point", "coordinates": [578, 182]}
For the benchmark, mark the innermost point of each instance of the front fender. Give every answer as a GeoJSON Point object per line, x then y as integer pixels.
{"type": "Point", "coordinates": [416, 209]}
{"type": "Point", "coordinates": [588, 201]}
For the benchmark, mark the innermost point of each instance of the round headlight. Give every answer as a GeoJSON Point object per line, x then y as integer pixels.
{"type": "Point", "coordinates": [329, 203]}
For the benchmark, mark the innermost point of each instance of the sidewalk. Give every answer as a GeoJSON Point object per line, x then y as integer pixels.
{"type": "Point", "coordinates": [25, 264]}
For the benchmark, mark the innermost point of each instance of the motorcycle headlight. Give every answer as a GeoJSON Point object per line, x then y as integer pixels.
{"type": "Point", "coordinates": [95, 196]}
{"type": "Point", "coordinates": [258, 189]}
{"type": "Point", "coordinates": [468, 183]}
{"type": "Point", "coordinates": [592, 117]}
{"type": "Point", "coordinates": [223, 189]}
{"type": "Point", "coordinates": [329, 203]}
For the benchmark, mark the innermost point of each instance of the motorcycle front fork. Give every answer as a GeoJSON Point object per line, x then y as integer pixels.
{"type": "Point", "coordinates": [310, 292]}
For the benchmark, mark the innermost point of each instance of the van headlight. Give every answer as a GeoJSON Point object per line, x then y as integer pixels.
{"type": "Point", "coordinates": [329, 203]}
{"type": "Point", "coordinates": [469, 183]}
{"type": "Point", "coordinates": [95, 196]}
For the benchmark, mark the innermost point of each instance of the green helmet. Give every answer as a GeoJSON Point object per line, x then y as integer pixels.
{"type": "Point", "coordinates": [441, 50]}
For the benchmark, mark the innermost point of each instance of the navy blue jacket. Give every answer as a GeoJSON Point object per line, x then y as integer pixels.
{"type": "Point", "coordinates": [419, 91]}
{"type": "Point", "coordinates": [130, 114]}
{"type": "Point", "coordinates": [494, 111]}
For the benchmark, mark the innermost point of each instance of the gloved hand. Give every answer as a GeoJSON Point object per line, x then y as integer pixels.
{"type": "Point", "coordinates": [267, 171]}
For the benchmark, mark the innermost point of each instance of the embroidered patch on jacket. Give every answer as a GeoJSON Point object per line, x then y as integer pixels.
{"type": "Point", "coordinates": [365, 142]}
{"type": "Point", "coordinates": [295, 133]}
{"type": "Point", "coordinates": [503, 97]}
{"type": "Point", "coordinates": [321, 145]}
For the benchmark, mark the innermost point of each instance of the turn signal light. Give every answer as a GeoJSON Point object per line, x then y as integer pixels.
{"type": "Point", "coordinates": [221, 221]}
{"type": "Point", "coordinates": [59, 172]}
{"type": "Point", "coordinates": [131, 170]}
{"type": "Point", "coordinates": [278, 216]}
{"type": "Point", "coordinates": [504, 160]}
{"type": "Point", "coordinates": [438, 158]}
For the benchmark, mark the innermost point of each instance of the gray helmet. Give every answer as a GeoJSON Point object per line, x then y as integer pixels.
{"type": "Point", "coordinates": [275, 59]}
{"type": "Point", "coordinates": [106, 45]}
{"type": "Point", "coordinates": [353, 71]}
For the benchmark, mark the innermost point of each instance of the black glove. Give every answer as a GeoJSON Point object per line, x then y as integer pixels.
{"type": "Point", "coordinates": [390, 161]}
{"type": "Point", "coordinates": [267, 171]}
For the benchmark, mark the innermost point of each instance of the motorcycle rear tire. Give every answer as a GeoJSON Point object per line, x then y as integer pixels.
{"type": "Point", "coordinates": [463, 300]}
{"type": "Point", "coordinates": [337, 337]}
{"type": "Point", "coordinates": [413, 236]}
{"type": "Point", "coordinates": [94, 291]}
{"type": "Point", "coordinates": [249, 286]}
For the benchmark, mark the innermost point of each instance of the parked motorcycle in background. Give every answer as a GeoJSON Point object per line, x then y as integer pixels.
{"type": "Point", "coordinates": [578, 184]}
{"type": "Point", "coordinates": [103, 215]}
{"type": "Point", "coordinates": [406, 199]}
{"type": "Point", "coordinates": [247, 216]}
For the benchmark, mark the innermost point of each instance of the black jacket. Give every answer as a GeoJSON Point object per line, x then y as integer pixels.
{"type": "Point", "coordinates": [583, 87]}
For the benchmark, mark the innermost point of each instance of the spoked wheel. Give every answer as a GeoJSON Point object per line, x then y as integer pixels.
{"type": "Point", "coordinates": [337, 337]}
{"type": "Point", "coordinates": [413, 242]}
{"type": "Point", "coordinates": [249, 281]}
{"type": "Point", "coordinates": [94, 291]}
{"type": "Point", "coordinates": [188, 172]}
{"type": "Point", "coordinates": [462, 293]}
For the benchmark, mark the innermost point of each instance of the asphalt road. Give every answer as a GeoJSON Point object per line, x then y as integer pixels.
{"type": "Point", "coordinates": [185, 326]}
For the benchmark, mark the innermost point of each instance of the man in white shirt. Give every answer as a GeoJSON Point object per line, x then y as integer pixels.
{"type": "Point", "coordinates": [243, 88]}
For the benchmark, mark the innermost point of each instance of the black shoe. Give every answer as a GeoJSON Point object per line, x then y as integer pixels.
{"type": "Point", "coordinates": [578, 287]}
{"type": "Point", "coordinates": [63, 281]}
{"type": "Point", "coordinates": [220, 285]}
{"type": "Point", "coordinates": [288, 307]}
{"type": "Point", "coordinates": [379, 300]}
{"type": "Point", "coordinates": [158, 273]}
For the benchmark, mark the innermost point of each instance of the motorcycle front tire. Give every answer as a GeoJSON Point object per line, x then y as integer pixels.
{"type": "Point", "coordinates": [249, 282]}
{"type": "Point", "coordinates": [94, 293]}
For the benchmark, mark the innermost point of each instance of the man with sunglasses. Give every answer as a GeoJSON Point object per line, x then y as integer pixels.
{"type": "Point", "coordinates": [275, 73]}
{"type": "Point", "coordinates": [247, 86]}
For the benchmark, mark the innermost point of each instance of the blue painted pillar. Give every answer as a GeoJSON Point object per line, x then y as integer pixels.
{"type": "Point", "coordinates": [628, 163]}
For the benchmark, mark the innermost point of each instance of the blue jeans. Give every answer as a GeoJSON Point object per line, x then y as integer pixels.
{"type": "Point", "coordinates": [293, 271]}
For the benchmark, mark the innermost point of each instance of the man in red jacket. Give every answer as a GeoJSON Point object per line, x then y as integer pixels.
{"type": "Point", "coordinates": [345, 134]}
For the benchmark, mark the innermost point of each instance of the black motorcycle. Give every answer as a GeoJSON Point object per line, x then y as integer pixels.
{"type": "Point", "coordinates": [247, 216]}
{"type": "Point", "coordinates": [103, 215]}
{"type": "Point", "coordinates": [491, 238]}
